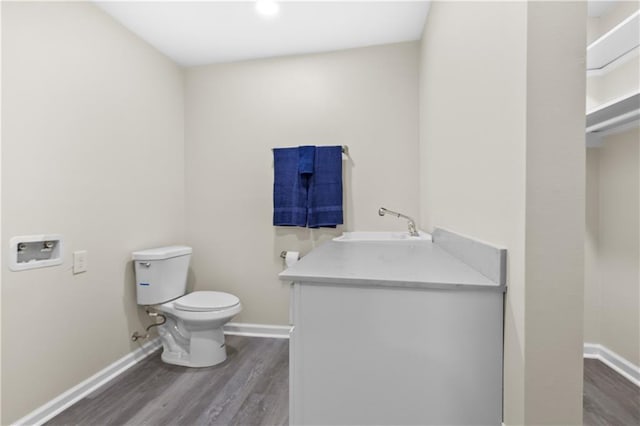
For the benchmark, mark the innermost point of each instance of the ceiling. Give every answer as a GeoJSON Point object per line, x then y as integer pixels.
{"type": "Point", "coordinates": [203, 32]}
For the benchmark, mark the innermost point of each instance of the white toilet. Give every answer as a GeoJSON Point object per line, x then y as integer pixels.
{"type": "Point", "coordinates": [192, 335]}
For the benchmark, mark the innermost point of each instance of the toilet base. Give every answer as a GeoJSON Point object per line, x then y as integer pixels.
{"type": "Point", "coordinates": [194, 338]}
{"type": "Point", "coordinates": [206, 348]}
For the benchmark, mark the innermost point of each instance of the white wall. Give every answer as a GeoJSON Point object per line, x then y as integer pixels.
{"type": "Point", "coordinates": [1, 251]}
{"type": "Point", "coordinates": [92, 148]}
{"type": "Point", "coordinates": [235, 113]}
{"type": "Point", "coordinates": [619, 220]}
{"type": "Point", "coordinates": [592, 287]}
{"type": "Point", "coordinates": [612, 291]}
{"type": "Point", "coordinates": [502, 159]}
{"type": "Point", "coordinates": [555, 216]}
{"type": "Point", "coordinates": [612, 268]}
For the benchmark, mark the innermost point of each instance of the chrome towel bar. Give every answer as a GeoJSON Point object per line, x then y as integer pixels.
{"type": "Point", "coordinates": [345, 149]}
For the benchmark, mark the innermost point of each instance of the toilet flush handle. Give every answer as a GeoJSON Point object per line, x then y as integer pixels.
{"type": "Point", "coordinates": [145, 264]}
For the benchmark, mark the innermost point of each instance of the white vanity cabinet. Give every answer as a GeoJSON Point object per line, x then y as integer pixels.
{"type": "Point", "coordinates": [372, 343]}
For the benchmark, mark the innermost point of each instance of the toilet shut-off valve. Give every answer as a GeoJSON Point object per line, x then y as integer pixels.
{"type": "Point", "coordinates": [137, 336]}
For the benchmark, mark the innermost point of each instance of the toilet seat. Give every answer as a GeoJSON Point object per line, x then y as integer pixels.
{"type": "Point", "coordinates": [206, 301]}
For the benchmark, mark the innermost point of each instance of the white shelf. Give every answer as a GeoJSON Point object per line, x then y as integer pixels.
{"type": "Point", "coordinates": [615, 116]}
{"type": "Point", "coordinates": [611, 47]}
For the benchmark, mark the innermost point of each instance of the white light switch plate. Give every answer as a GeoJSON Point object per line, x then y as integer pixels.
{"type": "Point", "coordinates": [79, 261]}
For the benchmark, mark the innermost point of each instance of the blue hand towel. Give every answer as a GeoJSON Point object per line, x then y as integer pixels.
{"type": "Point", "coordinates": [325, 188]}
{"type": "Point", "coordinates": [289, 189]}
{"type": "Point", "coordinates": [306, 159]}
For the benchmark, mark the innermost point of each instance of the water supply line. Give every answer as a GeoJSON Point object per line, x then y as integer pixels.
{"type": "Point", "coordinates": [136, 336]}
{"type": "Point", "coordinates": [411, 224]}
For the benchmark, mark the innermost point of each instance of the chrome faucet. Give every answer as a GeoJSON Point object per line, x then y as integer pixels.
{"type": "Point", "coordinates": [410, 222]}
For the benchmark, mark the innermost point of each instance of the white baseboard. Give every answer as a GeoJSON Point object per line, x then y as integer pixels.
{"type": "Point", "coordinates": [630, 371]}
{"type": "Point", "coordinates": [257, 330]}
{"type": "Point", "coordinates": [76, 393]}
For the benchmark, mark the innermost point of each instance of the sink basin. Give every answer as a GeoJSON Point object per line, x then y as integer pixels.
{"type": "Point", "coordinates": [381, 236]}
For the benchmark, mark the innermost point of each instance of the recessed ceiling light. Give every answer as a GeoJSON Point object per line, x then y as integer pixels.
{"type": "Point", "coordinates": [267, 7]}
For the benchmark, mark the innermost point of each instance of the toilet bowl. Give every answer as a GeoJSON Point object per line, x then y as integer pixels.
{"type": "Point", "coordinates": [192, 334]}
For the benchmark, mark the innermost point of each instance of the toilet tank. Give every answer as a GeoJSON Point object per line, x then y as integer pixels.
{"type": "Point", "coordinates": [161, 273]}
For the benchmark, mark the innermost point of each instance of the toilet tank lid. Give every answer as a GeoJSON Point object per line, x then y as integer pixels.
{"type": "Point", "coordinates": [161, 253]}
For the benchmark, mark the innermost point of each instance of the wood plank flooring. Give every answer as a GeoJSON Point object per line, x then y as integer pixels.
{"type": "Point", "coordinates": [609, 399]}
{"type": "Point", "coordinates": [250, 388]}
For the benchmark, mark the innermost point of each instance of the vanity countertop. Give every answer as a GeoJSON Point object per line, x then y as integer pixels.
{"type": "Point", "coordinates": [416, 264]}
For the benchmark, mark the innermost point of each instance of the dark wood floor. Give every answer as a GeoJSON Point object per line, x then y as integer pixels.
{"type": "Point", "coordinates": [250, 388]}
{"type": "Point", "coordinates": [609, 399]}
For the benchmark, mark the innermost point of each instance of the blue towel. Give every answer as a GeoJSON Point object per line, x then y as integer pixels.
{"type": "Point", "coordinates": [306, 159]}
{"type": "Point", "coordinates": [324, 201]}
{"type": "Point", "coordinates": [289, 189]}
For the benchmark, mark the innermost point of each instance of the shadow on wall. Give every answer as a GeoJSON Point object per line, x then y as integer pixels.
{"type": "Point", "coordinates": [192, 282]}
{"type": "Point", "coordinates": [347, 193]}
